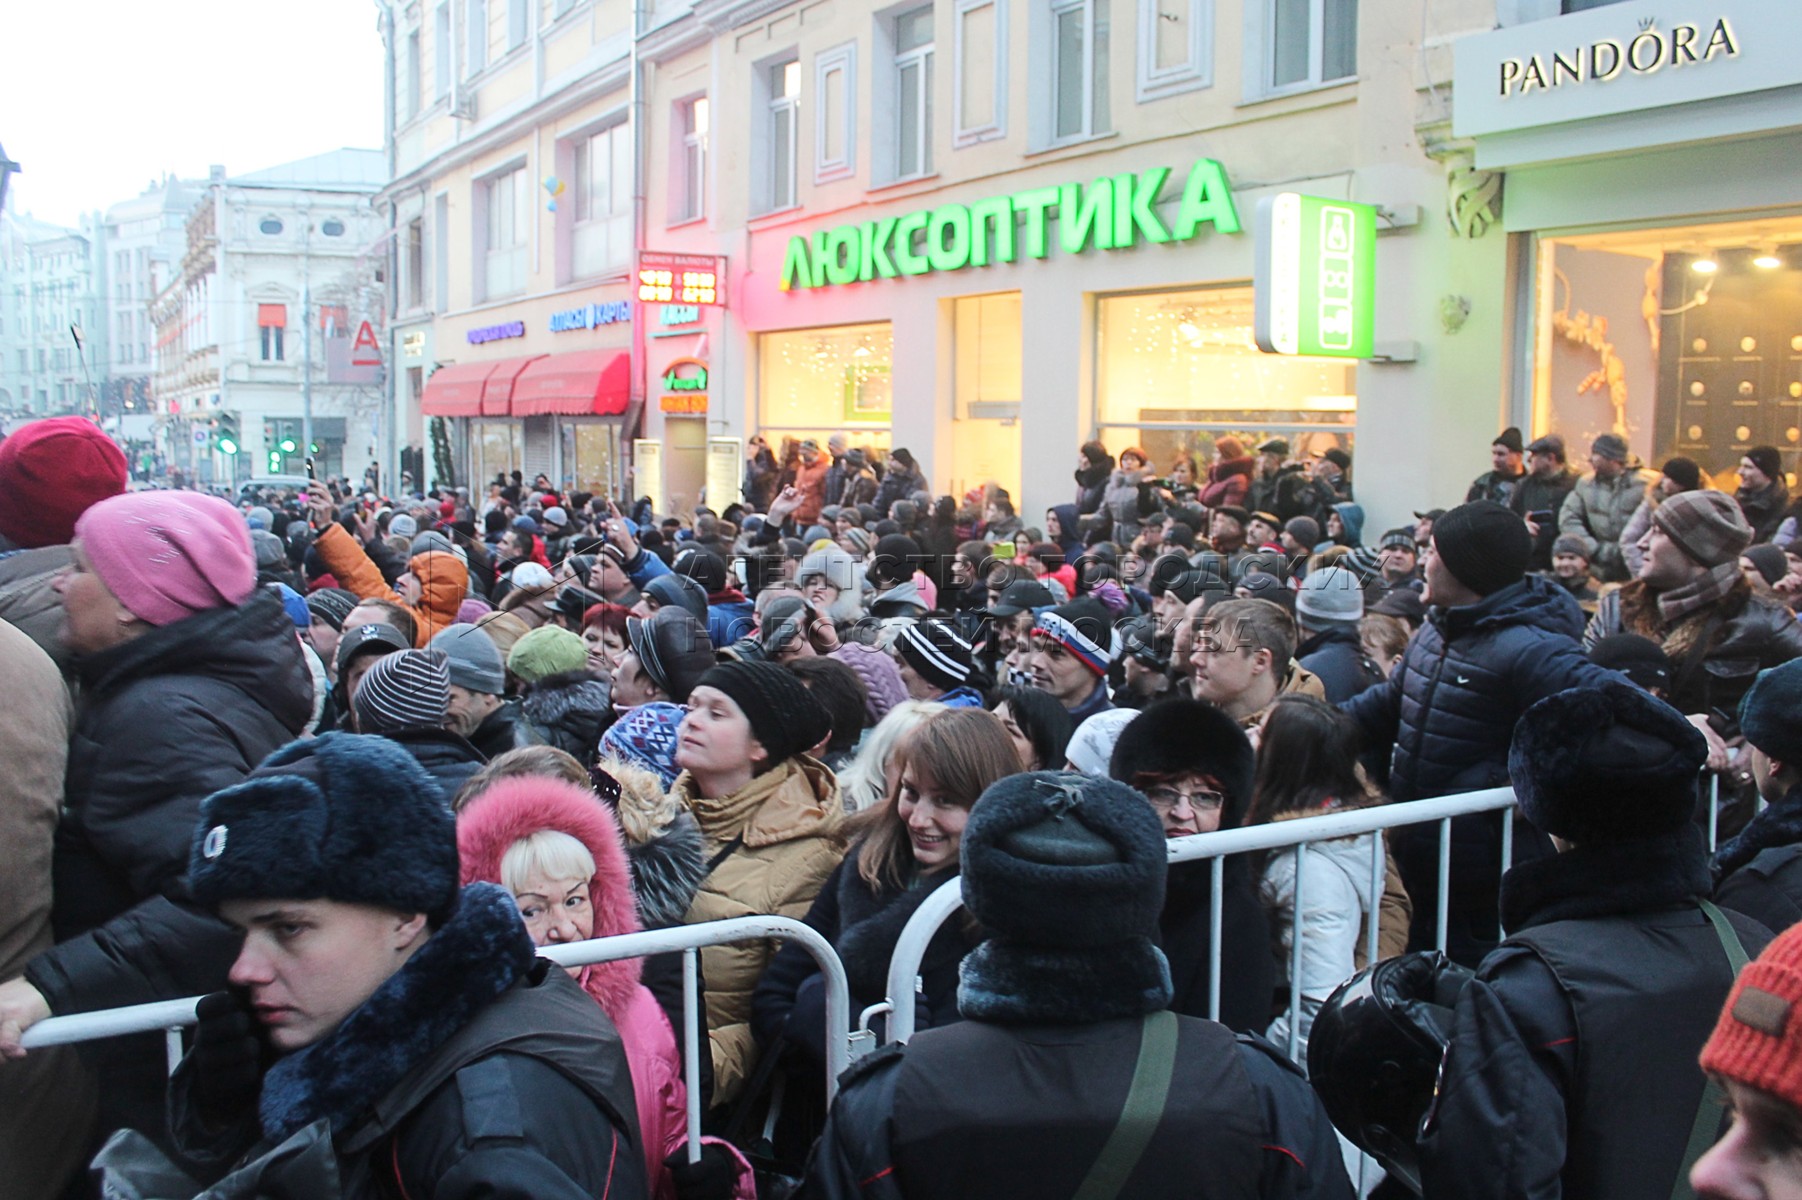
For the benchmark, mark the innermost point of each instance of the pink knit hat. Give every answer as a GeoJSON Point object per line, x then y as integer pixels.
{"type": "Point", "coordinates": [169, 555]}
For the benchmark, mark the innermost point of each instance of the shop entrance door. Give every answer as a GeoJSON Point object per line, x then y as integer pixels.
{"type": "Point", "coordinates": [684, 462]}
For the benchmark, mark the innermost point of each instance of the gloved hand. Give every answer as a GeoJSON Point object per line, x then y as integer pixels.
{"type": "Point", "coordinates": [228, 1058]}
{"type": "Point", "coordinates": [713, 1178]}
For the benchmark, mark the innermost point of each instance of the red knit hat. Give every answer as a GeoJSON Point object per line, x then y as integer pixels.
{"type": "Point", "coordinates": [51, 472]}
{"type": "Point", "coordinates": [1758, 1040]}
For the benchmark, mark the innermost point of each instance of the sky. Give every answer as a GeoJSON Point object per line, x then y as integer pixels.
{"type": "Point", "coordinates": [95, 108]}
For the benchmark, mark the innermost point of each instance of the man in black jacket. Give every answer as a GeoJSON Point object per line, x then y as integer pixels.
{"type": "Point", "coordinates": [1759, 872]}
{"type": "Point", "coordinates": [1540, 494]}
{"type": "Point", "coordinates": [405, 698]}
{"type": "Point", "coordinates": [1068, 1042]}
{"type": "Point", "coordinates": [1328, 608]}
{"type": "Point", "coordinates": [382, 1021]}
{"type": "Point", "coordinates": [1571, 1070]}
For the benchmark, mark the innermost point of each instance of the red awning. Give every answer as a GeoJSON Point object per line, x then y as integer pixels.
{"type": "Point", "coordinates": [583, 382]}
{"type": "Point", "coordinates": [455, 390]}
{"type": "Point", "coordinates": [497, 391]}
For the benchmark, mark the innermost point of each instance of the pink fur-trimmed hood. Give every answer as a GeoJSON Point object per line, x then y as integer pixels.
{"type": "Point", "coordinates": [513, 809]}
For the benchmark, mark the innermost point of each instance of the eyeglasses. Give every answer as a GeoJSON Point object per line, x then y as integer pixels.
{"type": "Point", "coordinates": [1168, 800]}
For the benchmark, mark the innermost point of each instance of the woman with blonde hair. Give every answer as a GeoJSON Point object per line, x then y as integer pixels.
{"type": "Point", "coordinates": [869, 777]}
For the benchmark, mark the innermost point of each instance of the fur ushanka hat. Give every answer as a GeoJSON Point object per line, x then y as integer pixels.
{"type": "Point", "coordinates": [1175, 737]}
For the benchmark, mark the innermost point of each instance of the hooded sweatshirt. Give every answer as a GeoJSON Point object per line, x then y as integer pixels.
{"type": "Point", "coordinates": [443, 580]}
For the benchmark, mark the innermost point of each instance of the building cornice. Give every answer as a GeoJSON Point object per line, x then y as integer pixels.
{"type": "Point", "coordinates": [674, 38]}
{"type": "Point", "coordinates": [720, 16]}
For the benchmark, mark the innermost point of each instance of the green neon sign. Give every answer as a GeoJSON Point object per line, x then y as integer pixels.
{"type": "Point", "coordinates": [1112, 213]}
{"type": "Point", "coordinates": [1314, 280]}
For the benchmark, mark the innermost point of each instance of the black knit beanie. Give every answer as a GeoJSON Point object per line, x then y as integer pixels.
{"type": "Point", "coordinates": [784, 716]}
{"type": "Point", "coordinates": [1485, 546]}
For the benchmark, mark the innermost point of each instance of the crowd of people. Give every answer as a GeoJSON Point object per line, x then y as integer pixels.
{"type": "Point", "coordinates": [342, 763]}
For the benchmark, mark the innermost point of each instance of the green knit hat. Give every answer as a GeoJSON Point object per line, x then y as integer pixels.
{"type": "Point", "coordinates": [547, 650]}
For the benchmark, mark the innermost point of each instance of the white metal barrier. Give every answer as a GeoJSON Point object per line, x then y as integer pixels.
{"type": "Point", "coordinates": [171, 1016]}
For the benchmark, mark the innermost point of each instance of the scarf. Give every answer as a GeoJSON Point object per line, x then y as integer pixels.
{"type": "Point", "coordinates": [1705, 589]}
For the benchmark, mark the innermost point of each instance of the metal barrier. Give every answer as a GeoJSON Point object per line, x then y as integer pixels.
{"type": "Point", "coordinates": [172, 1016]}
{"type": "Point", "coordinates": [1296, 835]}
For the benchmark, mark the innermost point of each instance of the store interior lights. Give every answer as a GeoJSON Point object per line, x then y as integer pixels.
{"type": "Point", "coordinates": [1768, 259]}
{"type": "Point", "coordinates": [1704, 264]}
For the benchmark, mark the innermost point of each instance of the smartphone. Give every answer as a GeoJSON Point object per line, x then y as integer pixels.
{"type": "Point", "coordinates": [1003, 550]}
{"type": "Point", "coordinates": [1540, 516]}
{"type": "Point", "coordinates": [310, 474]}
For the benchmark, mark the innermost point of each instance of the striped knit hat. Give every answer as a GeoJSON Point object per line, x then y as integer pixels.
{"type": "Point", "coordinates": [933, 648]}
{"type": "Point", "coordinates": [1081, 627]}
{"type": "Point", "coordinates": [409, 689]}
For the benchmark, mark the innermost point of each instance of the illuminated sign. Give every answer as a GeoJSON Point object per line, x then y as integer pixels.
{"type": "Point", "coordinates": [1314, 282]}
{"type": "Point", "coordinates": [1112, 213]}
{"type": "Point", "coordinates": [678, 314]}
{"type": "Point", "coordinates": [496, 333]}
{"type": "Point", "coordinates": [591, 316]}
{"type": "Point", "coordinates": [412, 345]}
{"type": "Point", "coordinates": [685, 375]}
{"type": "Point", "coordinates": [1606, 58]}
{"type": "Point", "coordinates": [685, 405]}
{"type": "Point", "coordinates": [692, 279]}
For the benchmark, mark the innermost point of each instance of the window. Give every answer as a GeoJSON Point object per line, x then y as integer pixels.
{"type": "Point", "coordinates": [332, 227]}
{"type": "Point", "coordinates": [1079, 74]}
{"type": "Point", "coordinates": [783, 82]}
{"type": "Point", "coordinates": [441, 52]}
{"type": "Point", "coordinates": [602, 237]}
{"type": "Point", "coordinates": [272, 320]}
{"type": "Point", "coordinates": [835, 114]}
{"type": "Point", "coordinates": [1312, 42]}
{"type": "Point", "coordinates": [414, 97]}
{"type": "Point", "coordinates": [822, 381]}
{"type": "Point", "coordinates": [270, 225]}
{"type": "Point", "coordinates": [979, 89]}
{"type": "Point", "coordinates": [519, 18]}
{"type": "Point", "coordinates": [475, 37]}
{"type": "Point", "coordinates": [913, 93]}
{"type": "Point", "coordinates": [412, 251]}
{"type": "Point", "coordinates": [1175, 47]}
{"type": "Point", "coordinates": [440, 234]}
{"type": "Point", "coordinates": [692, 120]}
{"type": "Point", "coordinates": [506, 210]}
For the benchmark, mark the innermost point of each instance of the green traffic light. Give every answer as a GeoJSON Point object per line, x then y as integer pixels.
{"type": "Point", "coordinates": [287, 445]}
{"type": "Point", "coordinates": [227, 446]}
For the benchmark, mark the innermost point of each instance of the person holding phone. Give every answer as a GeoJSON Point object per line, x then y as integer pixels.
{"type": "Point", "coordinates": [1540, 494]}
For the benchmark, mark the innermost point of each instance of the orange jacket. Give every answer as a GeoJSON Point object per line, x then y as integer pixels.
{"type": "Point", "coordinates": [443, 580]}
{"type": "Point", "coordinates": [812, 483]}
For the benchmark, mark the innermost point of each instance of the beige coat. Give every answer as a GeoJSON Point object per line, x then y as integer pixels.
{"type": "Point", "coordinates": [46, 1098]}
{"type": "Point", "coordinates": [789, 818]}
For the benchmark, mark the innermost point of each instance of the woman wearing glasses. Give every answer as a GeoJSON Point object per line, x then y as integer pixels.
{"type": "Point", "coordinates": [1194, 765]}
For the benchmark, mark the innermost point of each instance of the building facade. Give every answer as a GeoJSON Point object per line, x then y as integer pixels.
{"type": "Point", "coordinates": [50, 283]}
{"type": "Point", "coordinates": [280, 269]}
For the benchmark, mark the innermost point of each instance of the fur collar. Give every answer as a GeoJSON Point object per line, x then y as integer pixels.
{"type": "Point", "coordinates": [667, 871]}
{"type": "Point", "coordinates": [1011, 983]}
{"type": "Point", "coordinates": [478, 954]}
{"type": "Point", "coordinates": [1606, 879]}
{"type": "Point", "coordinates": [1778, 825]}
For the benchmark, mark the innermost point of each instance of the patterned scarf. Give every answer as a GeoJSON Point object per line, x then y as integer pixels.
{"type": "Point", "coordinates": [1704, 590]}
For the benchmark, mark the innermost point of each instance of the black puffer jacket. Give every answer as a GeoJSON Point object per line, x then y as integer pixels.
{"type": "Point", "coordinates": [569, 711]}
{"type": "Point", "coordinates": [1445, 717]}
{"type": "Point", "coordinates": [166, 720]}
{"type": "Point", "coordinates": [446, 757]}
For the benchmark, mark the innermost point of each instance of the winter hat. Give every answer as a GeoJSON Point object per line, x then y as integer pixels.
{"type": "Point", "coordinates": [678, 591]}
{"type": "Point", "coordinates": [1363, 562]}
{"type": "Point", "coordinates": [1509, 439]}
{"type": "Point", "coordinates": [904, 457]}
{"type": "Point", "coordinates": [472, 610]}
{"type": "Point", "coordinates": [1020, 595]}
{"type": "Point", "coordinates": [51, 472]}
{"type": "Point", "coordinates": [1605, 764]}
{"type": "Point", "coordinates": [833, 565]}
{"type": "Point", "coordinates": [1330, 598]}
{"type": "Point", "coordinates": [1707, 525]}
{"type": "Point", "coordinates": [1338, 458]}
{"type": "Point", "coordinates": [1259, 586]}
{"type": "Point", "coordinates": [525, 524]}
{"type": "Point", "coordinates": [555, 517]}
{"type": "Point", "coordinates": [1770, 714]}
{"type": "Point", "coordinates": [267, 549]}
{"type": "Point", "coordinates": [1397, 539]}
{"type": "Point", "coordinates": [1305, 531]}
{"type": "Point", "coordinates": [673, 648]}
{"type": "Point", "coordinates": [785, 718]}
{"type": "Point", "coordinates": [547, 650]}
{"type": "Point", "coordinates": [1640, 659]}
{"type": "Point", "coordinates": [474, 660]}
{"type": "Point", "coordinates": [882, 685]}
{"type": "Point", "coordinates": [573, 601]}
{"type": "Point", "coordinates": [402, 525]}
{"type": "Point", "coordinates": [1274, 446]}
{"type": "Point", "coordinates": [859, 538]}
{"type": "Point", "coordinates": [1767, 460]}
{"type": "Point", "coordinates": [1083, 627]}
{"type": "Point", "coordinates": [1756, 1041]}
{"type": "Point", "coordinates": [1771, 562]}
{"type": "Point", "coordinates": [259, 517]}
{"type": "Point", "coordinates": [169, 555]}
{"type": "Point", "coordinates": [531, 577]}
{"type": "Point", "coordinates": [1063, 860]}
{"type": "Point", "coordinates": [893, 559]}
{"type": "Point", "coordinates": [1483, 545]}
{"type": "Point", "coordinates": [409, 689]}
{"type": "Point", "coordinates": [337, 817]}
{"type": "Point", "coordinates": [505, 629]}
{"type": "Point", "coordinates": [1403, 602]}
{"type": "Point", "coordinates": [1092, 745]}
{"type": "Point", "coordinates": [1179, 737]}
{"type": "Point", "coordinates": [1570, 543]}
{"type": "Point", "coordinates": [934, 649]}
{"type": "Point", "coordinates": [782, 622]}
{"type": "Point", "coordinates": [1551, 444]}
{"type": "Point", "coordinates": [1610, 445]}
{"type": "Point", "coordinates": [1684, 473]}
{"type": "Point", "coordinates": [431, 541]}
{"type": "Point", "coordinates": [373, 638]}
{"type": "Point", "coordinates": [704, 567]}
{"type": "Point", "coordinates": [330, 606]}
{"type": "Point", "coordinates": [293, 604]}
{"type": "Point", "coordinates": [646, 737]}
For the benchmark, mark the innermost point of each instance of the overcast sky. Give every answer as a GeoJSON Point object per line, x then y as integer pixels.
{"type": "Point", "coordinates": [98, 99]}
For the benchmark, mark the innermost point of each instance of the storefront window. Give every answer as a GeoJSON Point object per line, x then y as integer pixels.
{"type": "Point", "coordinates": [1175, 371]}
{"type": "Point", "coordinates": [817, 382]}
{"type": "Point", "coordinates": [1685, 341]}
{"type": "Point", "coordinates": [987, 371]}
{"type": "Point", "coordinates": [497, 448]}
{"type": "Point", "coordinates": [590, 454]}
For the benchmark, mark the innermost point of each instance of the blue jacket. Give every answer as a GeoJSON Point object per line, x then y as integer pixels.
{"type": "Point", "coordinates": [730, 620]}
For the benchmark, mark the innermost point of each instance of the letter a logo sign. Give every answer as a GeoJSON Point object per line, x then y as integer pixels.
{"type": "Point", "coordinates": [366, 351]}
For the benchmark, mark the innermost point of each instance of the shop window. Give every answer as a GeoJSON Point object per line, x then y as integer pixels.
{"type": "Point", "coordinates": [1308, 43]}
{"type": "Point", "coordinates": [601, 239]}
{"type": "Point", "coordinates": [987, 353]}
{"type": "Point", "coordinates": [1176, 370]}
{"type": "Point", "coordinates": [979, 67]}
{"type": "Point", "coordinates": [1685, 341]}
{"type": "Point", "coordinates": [693, 120]}
{"type": "Point", "coordinates": [1175, 52]}
{"type": "Point", "coordinates": [590, 457]}
{"type": "Point", "coordinates": [817, 382]}
{"type": "Point", "coordinates": [498, 448]}
{"type": "Point", "coordinates": [777, 96]}
{"type": "Point", "coordinates": [835, 113]}
{"type": "Point", "coordinates": [1072, 44]}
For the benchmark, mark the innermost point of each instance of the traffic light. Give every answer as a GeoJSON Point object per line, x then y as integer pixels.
{"type": "Point", "coordinates": [226, 438]}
